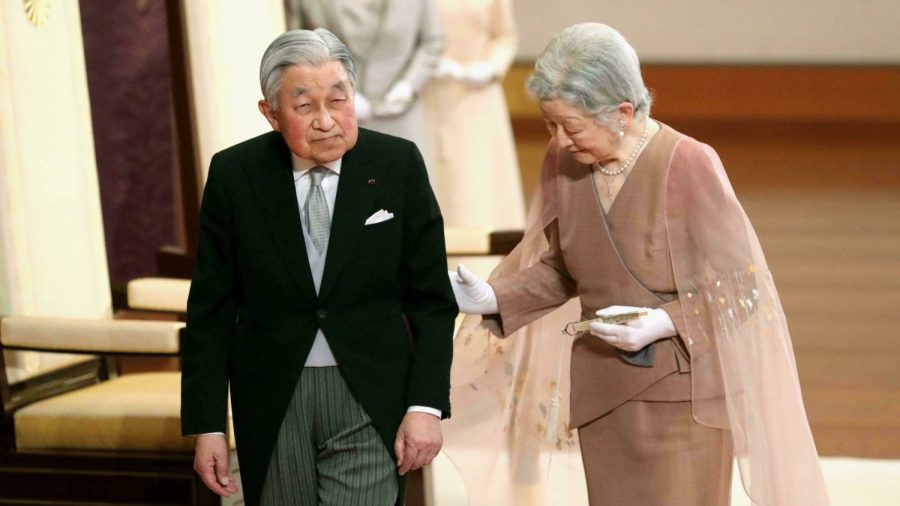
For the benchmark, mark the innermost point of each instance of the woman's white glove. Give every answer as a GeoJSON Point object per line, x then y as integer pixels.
{"type": "Point", "coordinates": [637, 333]}
{"type": "Point", "coordinates": [473, 295]}
{"type": "Point", "coordinates": [479, 73]}
{"type": "Point", "coordinates": [397, 100]}
{"type": "Point", "coordinates": [362, 107]}
{"type": "Point", "coordinates": [448, 68]}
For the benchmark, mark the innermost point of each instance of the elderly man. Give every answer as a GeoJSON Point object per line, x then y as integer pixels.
{"type": "Point", "coordinates": [319, 296]}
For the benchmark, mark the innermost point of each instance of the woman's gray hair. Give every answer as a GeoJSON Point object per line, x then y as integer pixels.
{"type": "Point", "coordinates": [301, 47]}
{"type": "Point", "coordinates": [592, 67]}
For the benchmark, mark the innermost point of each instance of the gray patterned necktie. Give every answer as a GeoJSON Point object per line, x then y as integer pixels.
{"type": "Point", "coordinates": [318, 220]}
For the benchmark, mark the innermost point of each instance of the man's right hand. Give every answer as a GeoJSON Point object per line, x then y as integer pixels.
{"type": "Point", "coordinates": [211, 463]}
{"type": "Point", "coordinates": [473, 295]}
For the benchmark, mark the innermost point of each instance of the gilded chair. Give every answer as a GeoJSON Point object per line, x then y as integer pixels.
{"type": "Point", "coordinates": [83, 434]}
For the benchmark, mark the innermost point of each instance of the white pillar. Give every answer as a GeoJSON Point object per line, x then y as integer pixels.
{"type": "Point", "coordinates": [51, 228]}
{"type": "Point", "coordinates": [225, 41]}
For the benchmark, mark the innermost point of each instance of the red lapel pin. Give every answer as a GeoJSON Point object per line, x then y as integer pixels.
{"type": "Point", "coordinates": [372, 181]}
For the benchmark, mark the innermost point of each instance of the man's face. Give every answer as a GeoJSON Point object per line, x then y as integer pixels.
{"type": "Point", "coordinates": [315, 112]}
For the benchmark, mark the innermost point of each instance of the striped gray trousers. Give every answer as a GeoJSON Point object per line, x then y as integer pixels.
{"type": "Point", "coordinates": [328, 452]}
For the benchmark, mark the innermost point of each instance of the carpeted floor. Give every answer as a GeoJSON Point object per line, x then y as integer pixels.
{"type": "Point", "coordinates": [850, 481]}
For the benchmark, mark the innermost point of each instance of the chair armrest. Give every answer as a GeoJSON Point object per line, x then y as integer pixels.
{"type": "Point", "coordinates": [74, 335]}
{"type": "Point", "coordinates": [159, 294]}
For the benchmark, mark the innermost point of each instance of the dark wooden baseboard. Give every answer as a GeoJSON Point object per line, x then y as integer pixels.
{"type": "Point", "coordinates": [99, 478]}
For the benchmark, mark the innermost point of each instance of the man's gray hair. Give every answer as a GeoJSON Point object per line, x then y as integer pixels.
{"type": "Point", "coordinates": [301, 47]}
{"type": "Point", "coordinates": [592, 67]}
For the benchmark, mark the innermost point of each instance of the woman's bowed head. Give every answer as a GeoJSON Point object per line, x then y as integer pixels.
{"type": "Point", "coordinates": [589, 85]}
{"type": "Point", "coordinates": [595, 106]}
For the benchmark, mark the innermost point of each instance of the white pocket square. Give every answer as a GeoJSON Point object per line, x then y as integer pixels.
{"type": "Point", "coordinates": [379, 217]}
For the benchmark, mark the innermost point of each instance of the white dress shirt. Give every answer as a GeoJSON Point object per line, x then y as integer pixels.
{"type": "Point", "coordinates": [320, 355]}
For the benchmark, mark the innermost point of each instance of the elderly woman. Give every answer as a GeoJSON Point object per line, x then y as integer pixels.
{"type": "Point", "coordinates": [637, 217]}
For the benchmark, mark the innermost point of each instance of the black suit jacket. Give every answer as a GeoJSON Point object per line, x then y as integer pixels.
{"type": "Point", "coordinates": [385, 303]}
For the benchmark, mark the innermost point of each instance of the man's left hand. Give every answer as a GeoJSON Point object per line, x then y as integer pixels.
{"type": "Point", "coordinates": [636, 334]}
{"type": "Point", "coordinates": [418, 441]}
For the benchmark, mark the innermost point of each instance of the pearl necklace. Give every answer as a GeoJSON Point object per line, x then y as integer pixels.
{"type": "Point", "coordinates": [623, 167]}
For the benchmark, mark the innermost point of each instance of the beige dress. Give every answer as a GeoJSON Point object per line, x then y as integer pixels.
{"type": "Point", "coordinates": [476, 174]}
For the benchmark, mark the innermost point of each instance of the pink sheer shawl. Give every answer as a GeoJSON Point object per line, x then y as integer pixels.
{"type": "Point", "coordinates": [507, 439]}
{"type": "Point", "coordinates": [744, 372]}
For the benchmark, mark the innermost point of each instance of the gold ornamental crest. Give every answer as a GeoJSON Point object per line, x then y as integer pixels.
{"type": "Point", "coordinates": [37, 11]}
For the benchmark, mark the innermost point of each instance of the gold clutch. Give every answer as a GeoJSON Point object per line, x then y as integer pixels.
{"type": "Point", "coordinates": [615, 319]}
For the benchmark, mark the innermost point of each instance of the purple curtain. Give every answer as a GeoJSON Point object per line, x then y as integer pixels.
{"type": "Point", "coordinates": [129, 80]}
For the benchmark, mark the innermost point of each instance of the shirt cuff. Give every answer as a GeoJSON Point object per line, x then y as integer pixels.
{"type": "Point", "coordinates": [423, 409]}
{"type": "Point", "coordinates": [207, 434]}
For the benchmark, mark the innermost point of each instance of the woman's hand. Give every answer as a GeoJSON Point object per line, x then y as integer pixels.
{"type": "Point", "coordinates": [449, 69]}
{"type": "Point", "coordinates": [473, 295]}
{"type": "Point", "coordinates": [362, 106]}
{"type": "Point", "coordinates": [480, 73]}
{"type": "Point", "coordinates": [396, 101]}
{"type": "Point", "coordinates": [635, 334]}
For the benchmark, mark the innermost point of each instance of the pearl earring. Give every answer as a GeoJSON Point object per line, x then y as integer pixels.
{"type": "Point", "coordinates": [621, 128]}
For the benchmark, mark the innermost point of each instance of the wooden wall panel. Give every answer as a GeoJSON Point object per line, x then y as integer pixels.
{"type": "Point", "coordinates": [785, 127]}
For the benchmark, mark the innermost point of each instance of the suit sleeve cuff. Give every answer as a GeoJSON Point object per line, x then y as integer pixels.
{"type": "Point", "coordinates": [423, 409]}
